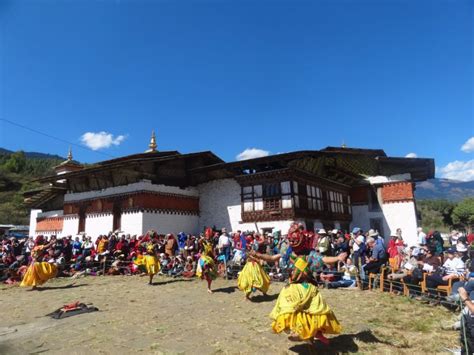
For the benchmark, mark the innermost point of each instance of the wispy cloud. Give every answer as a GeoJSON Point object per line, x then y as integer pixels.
{"type": "Point", "coordinates": [411, 155]}
{"type": "Point", "coordinates": [100, 140]}
{"type": "Point", "coordinates": [468, 147]}
{"type": "Point", "coordinates": [458, 170]}
{"type": "Point", "coordinates": [251, 153]}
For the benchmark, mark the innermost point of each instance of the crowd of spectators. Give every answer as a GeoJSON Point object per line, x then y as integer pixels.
{"type": "Point", "coordinates": [369, 253]}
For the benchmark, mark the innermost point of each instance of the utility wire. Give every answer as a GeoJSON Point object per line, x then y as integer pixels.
{"type": "Point", "coordinates": [53, 137]}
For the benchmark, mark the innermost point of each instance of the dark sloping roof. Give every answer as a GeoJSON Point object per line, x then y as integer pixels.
{"type": "Point", "coordinates": [135, 159]}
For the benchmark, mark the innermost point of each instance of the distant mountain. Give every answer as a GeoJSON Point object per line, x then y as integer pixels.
{"type": "Point", "coordinates": [451, 190]}
{"type": "Point", "coordinates": [34, 155]}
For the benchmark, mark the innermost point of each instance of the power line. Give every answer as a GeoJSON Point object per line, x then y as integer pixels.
{"type": "Point", "coordinates": [53, 137]}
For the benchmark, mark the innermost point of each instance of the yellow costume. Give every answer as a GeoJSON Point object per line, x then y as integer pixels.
{"type": "Point", "coordinates": [39, 271]}
{"type": "Point", "coordinates": [253, 276]}
{"type": "Point", "coordinates": [206, 265]}
{"type": "Point", "coordinates": [151, 261]}
{"type": "Point", "coordinates": [301, 309]}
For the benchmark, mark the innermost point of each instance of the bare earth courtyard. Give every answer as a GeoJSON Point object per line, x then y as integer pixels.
{"type": "Point", "coordinates": [178, 316]}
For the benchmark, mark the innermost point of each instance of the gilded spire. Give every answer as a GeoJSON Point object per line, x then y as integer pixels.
{"type": "Point", "coordinates": [69, 154]}
{"type": "Point", "coordinates": [152, 144]}
{"type": "Point", "coordinates": [343, 144]}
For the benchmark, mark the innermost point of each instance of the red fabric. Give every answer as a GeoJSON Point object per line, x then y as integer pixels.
{"type": "Point", "coordinates": [470, 238]}
{"type": "Point", "coordinates": [393, 247]}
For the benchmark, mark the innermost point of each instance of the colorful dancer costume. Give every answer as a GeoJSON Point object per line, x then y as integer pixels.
{"type": "Point", "coordinates": [300, 308]}
{"type": "Point", "coordinates": [253, 277]}
{"type": "Point", "coordinates": [206, 267]}
{"type": "Point", "coordinates": [39, 271]}
{"type": "Point", "coordinates": [152, 264]}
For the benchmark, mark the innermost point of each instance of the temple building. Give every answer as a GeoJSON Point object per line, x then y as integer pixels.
{"type": "Point", "coordinates": [172, 192]}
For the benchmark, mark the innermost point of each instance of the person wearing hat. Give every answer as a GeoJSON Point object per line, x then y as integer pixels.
{"type": "Point", "coordinates": [378, 257]}
{"type": "Point", "coordinates": [454, 269]}
{"type": "Point", "coordinates": [358, 247]}
{"type": "Point", "coordinates": [323, 242]}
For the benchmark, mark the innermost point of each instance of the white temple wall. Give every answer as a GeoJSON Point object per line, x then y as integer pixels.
{"type": "Point", "coordinates": [144, 185]}
{"type": "Point", "coordinates": [132, 223]}
{"type": "Point", "coordinates": [33, 216]}
{"type": "Point", "coordinates": [393, 215]}
{"type": "Point", "coordinates": [98, 224]}
{"type": "Point", "coordinates": [219, 204]}
{"type": "Point", "coordinates": [70, 225]}
{"type": "Point", "coordinates": [361, 217]}
{"type": "Point", "coordinates": [402, 215]}
{"type": "Point", "coordinates": [174, 223]}
{"type": "Point", "coordinates": [282, 226]}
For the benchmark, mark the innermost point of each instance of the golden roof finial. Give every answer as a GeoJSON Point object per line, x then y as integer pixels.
{"type": "Point", "coordinates": [152, 144]}
{"type": "Point", "coordinates": [343, 144]}
{"type": "Point", "coordinates": [69, 154]}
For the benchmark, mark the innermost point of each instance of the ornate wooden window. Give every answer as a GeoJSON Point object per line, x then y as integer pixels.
{"type": "Point", "coordinates": [315, 198]}
{"type": "Point", "coordinates": [252, 198]}
{"type": "Point", "coordinates": [272, 196]}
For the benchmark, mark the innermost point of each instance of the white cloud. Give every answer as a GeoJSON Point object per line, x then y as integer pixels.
{"type": "Point", "coordinates": [251, 153]}
{"type": "Point", "coordinates": [411, 155]}
{"type": "Point", "coordinates": [426, 185]}
{"type": "Point", "coordinates": [458, 170]}
{"type": "Point", "coordinates": [468, 147]}
{"type": "Point", "coordinates": [99, 140]}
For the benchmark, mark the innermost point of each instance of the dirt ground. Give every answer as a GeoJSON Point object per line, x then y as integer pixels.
{"type": "Point", "coordinates": [178, 316]}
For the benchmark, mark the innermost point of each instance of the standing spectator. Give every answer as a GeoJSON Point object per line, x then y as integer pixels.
{"type": "Point", "coordinates": [170, 245]}
{"type": "Point", "coordinates": [394, 246]}
{"type": "Point", "coordinates": [421, 237]}
{"type": "Point", "coordinates": [224, 244]}
{"type": "Point", "coordinates": [323, 242]}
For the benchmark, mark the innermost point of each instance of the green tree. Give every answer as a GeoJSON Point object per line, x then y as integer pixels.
{"type": "Point", "coordinates": [463, 214]}
{"type": "Point", "coordinates": [16, 163]}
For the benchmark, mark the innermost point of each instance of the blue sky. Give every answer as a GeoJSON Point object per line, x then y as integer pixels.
{"type": "Point", "coordinates": [226, 76]}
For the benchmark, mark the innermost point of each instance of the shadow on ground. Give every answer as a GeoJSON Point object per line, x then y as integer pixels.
{"type": "Point", "coordinates": [341, 344]}
{"type": "Point", "coordinates": [171, 281]}
{"type": "Point", "coordinates": [50, 288]}
{"type": "Point", "coordinates": [230, 289]}
{"type": "Point", "coordinates": [264, 298]}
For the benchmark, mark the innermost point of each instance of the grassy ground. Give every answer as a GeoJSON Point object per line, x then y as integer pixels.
{"type": "Point", "coordinates": [178, 316]}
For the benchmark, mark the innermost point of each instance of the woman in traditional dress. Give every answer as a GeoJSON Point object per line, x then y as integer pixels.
{"type": "Point", "coordinates": [300, 308]}
{"type": "Point", "coordinates": [206, 267]}
{"type": "Point", "coordinates": [39, 271]}
{"type": "Point", "coordinates": [253, 277]}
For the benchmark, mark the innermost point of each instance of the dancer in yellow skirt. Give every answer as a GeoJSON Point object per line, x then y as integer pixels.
{"type": "Point", "coordinates": [39, 271]}
{"type": "Point", "coordinates": [300, 308]}
{"type": "Point", "coordinates": [151, 262]}
{"type": "Point", "coordinates": [253, 277]}
{"type": "Point", "coordinates": [206, 266]}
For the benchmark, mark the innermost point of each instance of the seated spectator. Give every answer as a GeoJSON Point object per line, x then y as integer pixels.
{"type": "Point", "coordinates": [377, 259]}
{"type": "Point", "coordinates": [349, 277]}
{"type": "Point", "coordinates": [453, 268]}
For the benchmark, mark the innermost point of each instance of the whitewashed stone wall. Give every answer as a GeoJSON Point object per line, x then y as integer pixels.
{"type": "Point", "coordinates": [219, 204]}
{"type": "Point", "coordinates": [33, 216]}
{"type": "Point", "coordinates": [394, 215]}
{"type": "Point", "coordinates": [402, 215]}
{"type": "Point", "coordinates": [139, 186]}
{"type": "Point", "coordinates": [70, 225]}
{"type": "Point", "coordinates": [165, 223]}
{"type": "Point", "coordinates": [98, 224]}
{"type": "Point", "coordinates": [132, 223]}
